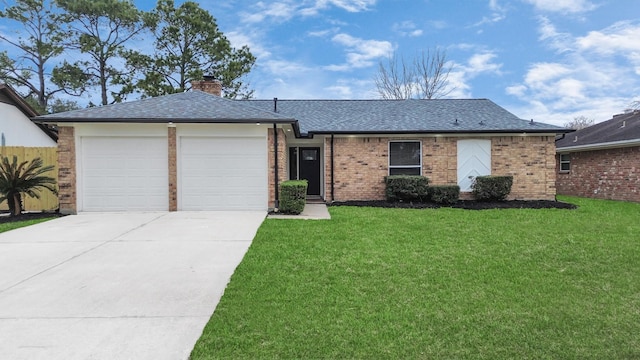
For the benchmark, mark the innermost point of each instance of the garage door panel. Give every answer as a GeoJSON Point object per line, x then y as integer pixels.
{"type": "Point", "coordinates": [124, 173]}
{"type": "Point", "coordinates": [223, 173]}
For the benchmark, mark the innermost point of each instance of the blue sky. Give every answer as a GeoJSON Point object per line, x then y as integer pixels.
{"type": "Point", "coordinates": [550, 60]}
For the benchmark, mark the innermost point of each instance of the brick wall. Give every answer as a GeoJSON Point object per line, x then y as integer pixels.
{"type": "Point", "coordinates": [361, 163]}
{"type": "Point", "coordinates": [213, 87]}
{"type": "Point", "coordinates": [173, 170]}
{"type": "Point", "coordinates": [531, 162]}
{"type": "Point", "coordinates": [67, 170]}
{"type": "Point", "coordinates": [282, 163]}
{"type": "Point", "coordinates": [603, 174]}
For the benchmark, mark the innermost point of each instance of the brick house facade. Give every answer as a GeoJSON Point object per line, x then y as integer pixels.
{"type": "Point", "coordinates": [198, 151]}
{"type": "Point", "coordinates": [361, 163]}
{"type": "Point", "coordinates": [601, 161]}
{"type": "Point", "coordinates": [602, 174]}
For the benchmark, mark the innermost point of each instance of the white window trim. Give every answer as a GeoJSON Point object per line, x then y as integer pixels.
{"type": "Point", "coordinates": [389, 166]}
{"type": "Point", "coordinates": [565, 162]}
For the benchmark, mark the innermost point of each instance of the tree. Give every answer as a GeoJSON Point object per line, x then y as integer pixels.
{"type": "Point", "coordinates": [23, 178]}
{"type": "Point", "coordinates": [189, 45]}
{"type": "Point", "coordinates": [579, 122]}
{"type": "Point", "coordinates": [59, 105]}
{"type": "Point", "coordinates": [39, 39]}
{"type": "Point", "coordinates": [425, 77]}
{"type": "Point", "coordinates": [100, 29]}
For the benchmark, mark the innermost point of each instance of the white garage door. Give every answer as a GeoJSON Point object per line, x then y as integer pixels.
{"type": "Point", "coordinates": [474, 159]}
{"type": "Point", "coordinates": [223, 173]}
{"type": "Point", "coordinates": [124, 173]}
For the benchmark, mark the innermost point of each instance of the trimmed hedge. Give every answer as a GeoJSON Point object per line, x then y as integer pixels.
{"type": "Point", "coordinates": [491, 188]}
{"type": "Point", "coordinates": [293, 196]}
{"type": "Point", "coordinates": [406, 188]}
{"type": "Point", "coordinates": [444, 194]}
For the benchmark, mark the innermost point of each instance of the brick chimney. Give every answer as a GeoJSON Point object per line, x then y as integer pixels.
{"type": "Point", "coordinates": [208, 85]}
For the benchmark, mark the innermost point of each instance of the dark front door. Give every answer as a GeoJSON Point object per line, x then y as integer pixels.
{"type": "Point", "coordinates": [309, 168]}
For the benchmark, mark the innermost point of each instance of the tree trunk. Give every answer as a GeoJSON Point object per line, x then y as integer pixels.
{"type": "Point", "coordinates": [14, 200]}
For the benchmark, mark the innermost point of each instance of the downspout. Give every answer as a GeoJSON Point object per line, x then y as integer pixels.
{"type": "Point", "coordinates": [332, 187]}
{"type": "Point", "coordinates": [275, 152]}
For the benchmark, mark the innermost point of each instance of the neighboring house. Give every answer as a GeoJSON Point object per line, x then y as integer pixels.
{"type": "Point", "coordinates": [197, 151]}
{"type": "Point", "coordinates": [16, 127]}
{"type": "Point", "coordinates": [602, 161]}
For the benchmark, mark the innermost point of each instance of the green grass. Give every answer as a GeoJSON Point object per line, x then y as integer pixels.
{"type": "Point", "coordinates": [18, 224]}
{"type": "Point", "coordinates": [437, 284]}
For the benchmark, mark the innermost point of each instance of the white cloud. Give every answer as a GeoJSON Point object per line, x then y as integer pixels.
{"type": "Point", "coordinates": [482, 63]}
{"type": "Point", "coordinates": [548, 33]}
{"type": "Point", "coordinates": [498, 13]}
{"type": "Point", "coordinates": [461, 74]}
{"type": "Point", "coordinates": [596, 75]}
{"type": "Point", "coordinates": [438, 24]}
{"type": "Point", "coordinates": [360, 53]}
{"type": "Point", "coordinates": [284, 67]}
{"type": "Point", "coordinates": [239, 39]}
{"type": "Point", "coordinates": [563, 6]}
{"type": "Point", "coordinates": [348, 5]}
{"type": "Point", "coordinates": [620, 37]}
{"type": "Point", "coordinates": [278, 11]}
{"type": "Point", "coordinates": [322, 33]}
{"type": "Point", "coordinates": [407, 28]}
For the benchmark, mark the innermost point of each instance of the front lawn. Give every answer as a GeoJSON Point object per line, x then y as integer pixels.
{"type": "Point", "coordinates": [437, 284]}
{"type": "Point", "coordinates": [7, 225]}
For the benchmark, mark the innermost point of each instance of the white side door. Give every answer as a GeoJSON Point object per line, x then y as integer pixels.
{"type": "Point", "coordinates": [474, 159]}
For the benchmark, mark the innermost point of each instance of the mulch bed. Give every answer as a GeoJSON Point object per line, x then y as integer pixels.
{"type": "Point", "coordinates": [464, 204]}
{"type": "Point", "coordinates": [5, 218]}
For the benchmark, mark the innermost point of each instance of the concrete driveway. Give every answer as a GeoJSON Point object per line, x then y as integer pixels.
{"type": "Point", "coordinates": [117, 285]}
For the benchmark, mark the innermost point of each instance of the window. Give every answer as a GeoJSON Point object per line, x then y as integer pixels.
{"type": "Point", "coordinates": [405, 158]}
{"type": "Point", "coordinates": [565, 162]}
{"type": "Point", "coordinates": [310, 154]}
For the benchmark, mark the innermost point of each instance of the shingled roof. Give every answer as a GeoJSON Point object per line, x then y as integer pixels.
{"type": "Point", "coordinates": [403, 116]}
{"type": "Point", "coordinates": [187, 107]}
{"type": "Point", "coordinates": [310, 117]}
{"type": "Point", "coordinates": [621, 130]}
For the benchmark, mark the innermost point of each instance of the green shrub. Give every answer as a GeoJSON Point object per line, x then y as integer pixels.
{"type": "Point", "coordinates": [444, 194]}
{"type": "Point", "coordinates": [293, 196]}
{"type": "Point", "coordinates": [406, 188]}
{"type": "Point", "coordinates": [488, 188]}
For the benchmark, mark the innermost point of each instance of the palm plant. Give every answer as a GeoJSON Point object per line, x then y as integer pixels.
{"type": "Point", "coordinates": [23, 178]}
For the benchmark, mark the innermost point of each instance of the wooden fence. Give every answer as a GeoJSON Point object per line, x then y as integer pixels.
{"type": "Point", "coordinates": [48, 200]}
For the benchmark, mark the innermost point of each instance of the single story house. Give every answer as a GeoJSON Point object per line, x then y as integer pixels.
{"type": "Point", "coordinates": [16, 127]}
{"type": "Point", "coordinates": [602, 161]}
{"type": "Point", "coordinates": [198, 151]}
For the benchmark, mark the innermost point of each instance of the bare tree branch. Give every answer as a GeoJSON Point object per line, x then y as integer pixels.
{"type": "Point", "coordinates": [426, 77]}
{"type": "Point", "coordinates": [579, 122]}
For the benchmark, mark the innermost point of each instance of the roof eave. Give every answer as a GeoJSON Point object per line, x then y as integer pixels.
{"type": "Point", "coordinates": [55, 120]}
{"type": "Point", "coordinates": [600, 146]}
{"type": "Point", "coordinates": [401, 132]}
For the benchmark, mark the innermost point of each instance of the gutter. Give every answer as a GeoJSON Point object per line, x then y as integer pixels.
{"type": "Point", "coordinates": [275, 164]}
{"type": "Point", "coordinates": [332, 172]}
{"type": "Point", "coordinates": [436, 132]}
{"type": "Point", "coordinates": [600, 146]}
{"type": "Point", "coordinates": [53, 120]}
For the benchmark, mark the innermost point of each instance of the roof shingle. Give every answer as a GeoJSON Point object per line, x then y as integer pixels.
{"type": "Point", "coordinates": [318, 116]}
{"type": "Point", "coordinates": [623, 127]}
{"type": "Point", "coordinates": [192, 106]}
{"type": "Point", "coordinates": [441, 115]}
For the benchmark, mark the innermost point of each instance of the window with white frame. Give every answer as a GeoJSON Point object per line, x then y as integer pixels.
{"type": "Point", "coordinates": [565, 162]}
{"type": "Point", "coordinates": [405, 158]}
